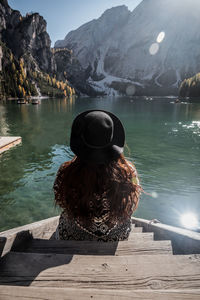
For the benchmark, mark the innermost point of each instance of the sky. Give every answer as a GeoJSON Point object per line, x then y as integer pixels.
{"type": "Point", "coordinates": [62, 16]}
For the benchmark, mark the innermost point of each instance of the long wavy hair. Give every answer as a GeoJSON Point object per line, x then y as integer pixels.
{"type": "Point", "coordinates": [87, 190]}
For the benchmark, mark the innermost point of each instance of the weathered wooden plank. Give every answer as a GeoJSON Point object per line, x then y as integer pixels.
{"type": "Point", "coordinates": [7, 142]}
{"type": "Point", "coordinates": [101, 272]}
{"type": "Point", "coordinates": [96, 248]}
{"type": "Point", "coordinates": [143, 236]}
{"type": "Point", "coordinates": [42, 229]}
{"type": "Point", "coordinates": [19, 236]}
{"type": "Point", "coordinates": [137, 229]}
{"type": "Point", "coordinates": [29, 293]}
{"type": "Point", "coordinates": [100, 248]}
{"type": "Point", "coordinates": [184, 241]}
{"type": "Point", "coordinates": [36, 228]}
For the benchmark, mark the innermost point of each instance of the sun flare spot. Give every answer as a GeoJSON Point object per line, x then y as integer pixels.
{"type": "Point", "coordinates": [130, 90]}
{"type": "Point", "coordinates": [160, 37]}
{"type": "Point", "coordinates": [154, 48]}
{"type": "Point", "coordinates": [189, 220]}
{"type": "Point", "coordinates": [154, 195]}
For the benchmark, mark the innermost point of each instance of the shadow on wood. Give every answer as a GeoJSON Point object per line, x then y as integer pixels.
{"type": "Point", "coordinates": [17, 238]}
{"type": "Point", "coordinates": [2, 244]}
{"type": "Point", "coordinates": [24, 271]}
{"type": "Point", "coordinates": [18, 268]}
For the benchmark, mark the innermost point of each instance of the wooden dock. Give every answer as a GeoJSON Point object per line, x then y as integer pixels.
{"type": "Point", "coordinates": [35, 265]}
{"type": "Point", "coordinates": [7, 142]}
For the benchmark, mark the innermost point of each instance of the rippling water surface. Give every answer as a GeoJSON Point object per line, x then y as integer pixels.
{"type": "Point", "coordinates": [163, 140]}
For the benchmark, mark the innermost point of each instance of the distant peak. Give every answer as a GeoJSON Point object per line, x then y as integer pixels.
{"type": "Point", "coordinates": [116, 9]}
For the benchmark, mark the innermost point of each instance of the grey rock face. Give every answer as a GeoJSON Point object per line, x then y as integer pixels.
{"type": "Point", "coordinates": [69, 67]}
{"type": "Point", "coordinates": [5, 13]}
{"type": "Point", "coordinates": [85, 40]}
{"type": "Point", "coordinates": [27, 38]}
{"type": "Point", "coordinates": [26, 35]}
{"type": "Point", "coordinates": [155, 46]}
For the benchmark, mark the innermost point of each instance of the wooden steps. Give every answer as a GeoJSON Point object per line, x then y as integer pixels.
{"type": "Point", "coordinates": [184, 241]}
{"type": "Point", "coordinates": [133, 247]}
{"type": "Point", "coordinates": [35, 265]}
{"type": "Point", "coordinates": [30, 293]}
{"type": "Point", "coordinates": [144, 236]}
{"type": "Point", "coordinates": [101, 272]}
{"type": "Point", "coordinates": [138, 244]}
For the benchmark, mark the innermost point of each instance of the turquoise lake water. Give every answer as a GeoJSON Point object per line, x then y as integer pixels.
{"type": "Point", "coordinates": [163, 140]}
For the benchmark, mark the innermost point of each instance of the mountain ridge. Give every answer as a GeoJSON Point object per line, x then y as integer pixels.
{"type": "Point", "coordinates": [125, 49]}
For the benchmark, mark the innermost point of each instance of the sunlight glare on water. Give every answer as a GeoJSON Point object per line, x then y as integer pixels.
{"type": "Point", "coordinates": [130, 90]}
{"type": "Point", "coordinates": [193, 125]}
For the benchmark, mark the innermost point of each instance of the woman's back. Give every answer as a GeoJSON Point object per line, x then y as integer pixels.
{"type": "Point", "coordinates": [98, 200]}
{"type": "Point", "coordinates": [97, 197]}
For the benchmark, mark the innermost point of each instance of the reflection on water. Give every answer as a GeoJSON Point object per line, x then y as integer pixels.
{"type": "Point", "coordinates": [163, 140]}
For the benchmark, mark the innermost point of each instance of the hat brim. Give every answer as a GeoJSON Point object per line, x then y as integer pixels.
{"type": "Point", "coordinates": [102, 155]}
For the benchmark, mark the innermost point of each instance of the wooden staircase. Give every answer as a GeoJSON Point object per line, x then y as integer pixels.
{"type": "Point", "coordinates": [140, 268]}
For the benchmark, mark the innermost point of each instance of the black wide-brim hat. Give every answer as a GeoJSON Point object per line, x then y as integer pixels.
{"type": "Point", "coordinates": [97, 136]}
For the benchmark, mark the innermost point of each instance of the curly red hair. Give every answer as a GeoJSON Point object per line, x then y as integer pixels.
{"type": "Point", "coordinates": [79, 186]}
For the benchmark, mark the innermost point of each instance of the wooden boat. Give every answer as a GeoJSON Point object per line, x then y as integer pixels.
{"type": "Point", "coordinates": [177, 100]}
{"type": "Point", "coordinates": [156, 262]}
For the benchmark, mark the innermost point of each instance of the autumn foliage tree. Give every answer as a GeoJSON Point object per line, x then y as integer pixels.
{"type": "Point", "coordinates": [18, 80]}
{"type": "Point", "coordinates": [190, 87]}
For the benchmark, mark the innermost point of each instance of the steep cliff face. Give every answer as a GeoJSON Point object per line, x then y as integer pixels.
{"type": "Point", "coordinates": [25, 49]}
{"type": "Point", "coordinates": [27, 61]}
{"type": "Point", "coordinates": [26, 35]}
{"type": "Point", "coordinates": [5, 14]}
{"type": "Point", "coordinates": [154, 47]}
{"type": "Point", "coordinates": [85, 40]}
{"type": "Point", "coordinates": [69, 68]}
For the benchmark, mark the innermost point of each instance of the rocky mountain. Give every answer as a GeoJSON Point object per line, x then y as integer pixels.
{"type": "Point", "coordinates": [69, 68]}
{"type": "Point", "coordinates": [26, 35]}
{"type": "Point", "coordinates": [147, 51]}
{"type": "Point", "coordinates": [28, 65]}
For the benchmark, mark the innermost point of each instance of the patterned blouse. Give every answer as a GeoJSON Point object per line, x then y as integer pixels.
{"type": "Point", "coordinates": [71, 229]}
{"type": "Point", "coordinates": [99, 230]}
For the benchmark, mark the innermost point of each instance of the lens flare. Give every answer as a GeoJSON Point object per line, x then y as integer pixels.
{"type": "Point", "coordinates": [154, 48]}
{"type": "Point", "coordinates": [160, 37]}
{"type": "Point", "coordinates": [154, 195]}
{"type": "Point", "coordinates": [189, 220]}
{"type": "Point", "coordinates": [130, 90]}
